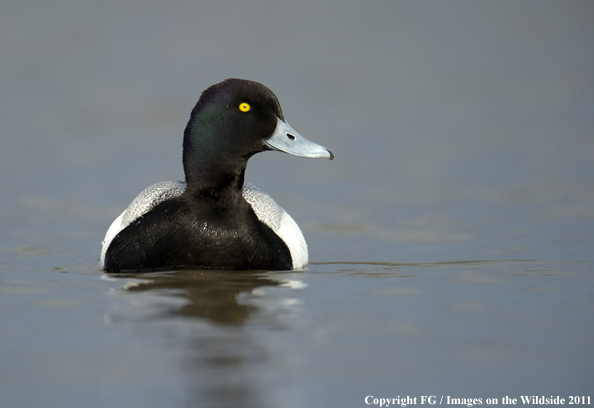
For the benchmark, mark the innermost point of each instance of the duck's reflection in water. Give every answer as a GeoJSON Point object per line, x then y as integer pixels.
{"type": "Point", "coordinates": [212, 295]}
{"type": "Point", "coordinates": [236, 358]}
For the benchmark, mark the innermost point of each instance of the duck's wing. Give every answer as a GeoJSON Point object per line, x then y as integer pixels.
{"type": "Point", "coordinates": [279, 221]}
{"type": "Point", "coordinates": [266, 209]}
{"type": "Point", "coordinates": [148, 199]}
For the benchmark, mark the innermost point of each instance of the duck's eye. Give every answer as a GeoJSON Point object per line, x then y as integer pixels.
{"type": "Point", "coordinates": [244, 107]}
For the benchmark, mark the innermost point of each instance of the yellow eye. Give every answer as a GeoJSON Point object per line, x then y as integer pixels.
{"type": "Point", "coordinates": [244, 107]}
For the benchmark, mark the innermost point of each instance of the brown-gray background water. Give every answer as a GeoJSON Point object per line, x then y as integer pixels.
{"type": "Point", "coordinates": [451, 240]}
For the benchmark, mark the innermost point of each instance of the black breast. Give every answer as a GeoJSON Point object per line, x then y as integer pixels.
{"type": "Point", "coordinates": [179, 234]}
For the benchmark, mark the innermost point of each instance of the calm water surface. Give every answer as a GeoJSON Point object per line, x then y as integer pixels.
{"type": "Point", "coordinates": [336, 332]}
{"type": "Point", "coordinates": [451, 241]}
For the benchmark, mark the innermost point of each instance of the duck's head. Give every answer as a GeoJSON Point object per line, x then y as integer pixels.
{"type": "Point", "coordinates": [234, 120]}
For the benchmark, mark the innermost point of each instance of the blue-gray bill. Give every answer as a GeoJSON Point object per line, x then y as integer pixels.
{"type": "Point", "coordinates": [286, 139]}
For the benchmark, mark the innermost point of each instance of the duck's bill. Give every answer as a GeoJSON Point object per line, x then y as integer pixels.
{"type": "Point", "coordinates": [286, 139]}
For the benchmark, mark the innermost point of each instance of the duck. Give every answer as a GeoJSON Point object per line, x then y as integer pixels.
{"type": "Point", "coordinates": [214, 219]}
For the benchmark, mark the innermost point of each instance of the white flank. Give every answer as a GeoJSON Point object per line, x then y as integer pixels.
{"type": "Point", "coordinates": [114, 229]}
{"type": "Point", "coordinates": [290, 233]}
{"type": "Point", "coordinates": [279, 221]}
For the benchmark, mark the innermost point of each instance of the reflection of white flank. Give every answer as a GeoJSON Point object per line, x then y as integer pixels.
{"type": "Point", "coordinates": [108, 278]}
{"type": "Point", "coordinates": [291, 302]}
{"type": "Point", "coordinates": [294, 284]}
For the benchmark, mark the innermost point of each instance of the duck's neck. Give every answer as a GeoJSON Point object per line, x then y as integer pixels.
{"type": "Point", "coordinates": [214, 178]}
{"type": "Point", "coordinates": [212, 173]}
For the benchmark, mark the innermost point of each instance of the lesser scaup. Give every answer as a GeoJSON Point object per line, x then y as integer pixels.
{"type": "Point", "coordinates": [213, 220]}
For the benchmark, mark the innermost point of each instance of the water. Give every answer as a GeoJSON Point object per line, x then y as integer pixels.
{"type": "Point", "coordinates": [450, 241]}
